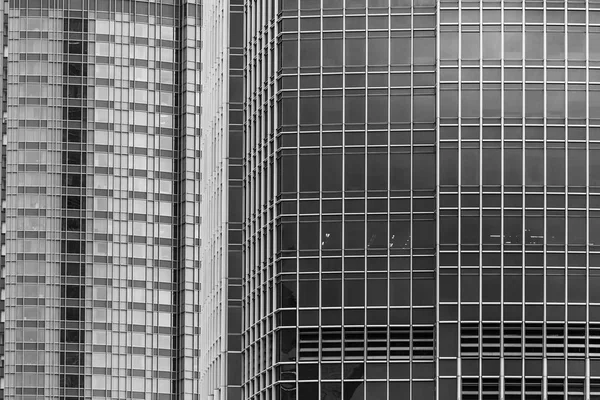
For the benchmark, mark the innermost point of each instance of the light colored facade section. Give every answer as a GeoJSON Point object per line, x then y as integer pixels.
{"type": "Point", "coordinates": [213, 302]}
{"type": "Point", "coordinates": [23, 274]}
{"type": "Point", "coordinates": [102, 178]}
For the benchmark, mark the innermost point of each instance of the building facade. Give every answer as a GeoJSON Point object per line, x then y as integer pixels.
{"type": "Point", "coordinates": [378, 199]}
{"type": "Point", "coordinates": [102, 216]}
{"type": "Point", "coordinates": [420, 197]}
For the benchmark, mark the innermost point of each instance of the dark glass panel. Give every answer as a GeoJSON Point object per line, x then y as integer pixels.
{"type": "Point", "coordinates": [308, 291]}
{"type": "Point", "coordinates": [355, 51]}
{"type": "Point", "coordinates": [331, 291]}
{"type": "Point", "coordinates": [470, 45]}
{"type": "Point", "coordinates": [377, 390]}
{"type": "Point", "coordinates": [555, 229]}
{"type": "Point", "coordinates": [470, 102]}
{"type": "Point", "coordinates": [287, 292]}
{"type": "Point", "coordinates": [534, 102]}
{"type": "Point", "coordinates": [288, 173]}
{"type": "Point", "coordinates": [594, 233]}
{"type": "Point", "coordinates": [308, 390]}
{"type": "Point", "coordinates": [354, 291]}
{"type": "Point", "coordinates": [513, 170]}
{"type": "Point", "coordinates": [399, 233]}
{"type": "Point", "coordinates": [400, 290]}
{"type": "Point", "coordinates": [513, 229]}
{"type": "Point", "coordinates": [72, 336]}
{"type": "Point", "coordinates": [534, 285]}
{"type": "Point", "coordinates": [331, 235]}
{"type": "Point", "coordinates": [424, 171]}
{"type": "Point", "coordinates": [449, 103]}
{"type": "Point", "coordinates": [310, 110]}
{"type": "Point", "coordinates": [332, 172]}
{"type": "Point", "coordinates": [576, 45]}
{"type": "Point", "coordinates": [424, 108]}
{"type": "Point", "coordinates": [355, 109]}
{"type": "Point", "coordinates": [333, 110]}
{"type": "Point", "coordinates": [377, 169]}
{"type": "Point", "coordinates": [491, 286]}
{"type": "Point", "coordinates": [287, 237]}
{"type": "Point", "coordinates": [401, 50]}
{"type": "Point", "coordinates": [333, 52]}
{"type": "Point", "coordinates": [377, 236]}
{"type": "Point", "coordinates": [534, 166]}
{"type": "Point", "coordinates": [448, 286]}
{"type": "Point", "coordinates": [449, 45]}
{"type": "Point", "coordinates": [577, 230]}
{"type": "Point", "coordinates": [75, 69]}
{"type": "Point", "coordinates": [378, 51]}
{"type": "Point", "coordinates": [377, 109]}
{"type": "Point", "coordinates": [400, 106]}
{"type": "Point", "coordinates": [310, 169]}
{"type": "Point", "coordinates": [577, 289]}
{"type": "Point", "coordinates": [354, 235]}
{"type": "Point", "coordinates": [423, 293]}
{"type": "Point", "coordinates": [513, 102]}
{"type": "Point", "coordinates": [470, 230]}
{"type": "Point", "coordinates": [555, 45]}
{"type": "Point", "coordinates": [469, 285]}
{"type": "Point", "coordinates": [423, 390]}
{"type": "Point", "coordinates": [448, 229]}
{"type": "Point", "coordinates": [492, 43]}
{"type": "Point", "coordinates": [423, 234]}
{"type": "Point", "coordinates": [513, 48]}
{"type": "Point", "coordinates": [555, 284]}
{"type": "Point", "coordinates": [310, 52]}
{"type": "Point", "coordinates": [377, 291]}
{"type": "Point", "coordinates": [491, 227]}
{"type": "Point", "coordinates": [309, 236]}
{"type": "Point", "coordinates": [424, 50]}
{"type": "Point", "coordinates": [470, 166]}
{"type": "Point", "coordinates": [289, 53]}
{"type": "Point", "coordinates": [355, 171]}
{"type": "Point", "coordinates": [448, 166]}
{"type": "Point", "coordinates": [72, 291]}
{"type": "Point", "coordinates": [555, 166]}
{"type": "Point", "coordinates": [594, 46]}
{"type": "Point", "coordinates": [331, 390]}
{"type": "Point", "coordinates": [513, 285]}
{"type": "Point", "coordinates": [73, 314]}
{"type": "Point", "coordinates": [577, 104]}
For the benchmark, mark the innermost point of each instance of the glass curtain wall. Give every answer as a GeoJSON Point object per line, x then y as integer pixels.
{"type": "Point", "coordinates": [518, 198]}
{"type": "Point", "coordinates": [97, 305]}
{"type": "Point", "coordinates": [340, 199]}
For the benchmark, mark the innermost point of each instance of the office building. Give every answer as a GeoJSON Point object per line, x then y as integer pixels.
{"type": "Point", "coordinates": [4, 23]}
{"type": "Point", "coordinates": [102, 199]}
{"type": "Point", "coordinates": [420, 190]}
{"type": "Point", "coordinates": [380, 199]}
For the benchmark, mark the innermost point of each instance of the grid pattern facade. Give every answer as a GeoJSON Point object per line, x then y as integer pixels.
{"type": "Point", "coordinates": [221, 206]}
{"type": "Point", "coordinates": [340, 200]}
{"type": "Point", "coordinates": [419, 199]}
{"type": "Point", "coordinates": [518, 199]}
{"type": "Point", "coordinates": [102, 193]}
{"type": "Point", "coordinates": [3, 68]}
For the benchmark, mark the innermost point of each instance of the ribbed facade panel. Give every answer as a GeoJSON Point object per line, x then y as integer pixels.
{"type": "Point", "coordinates": [221, 205]}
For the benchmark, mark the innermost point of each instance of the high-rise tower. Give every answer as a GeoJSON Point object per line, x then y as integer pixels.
{"type": "Point", "coordinates": [399, 199]}
{"type": "Point", "coordinates": [340, 199]}
{"type": "Point", "coordinates": [420, 188]}
{"type": "Point", "coordinates": [102, 199]}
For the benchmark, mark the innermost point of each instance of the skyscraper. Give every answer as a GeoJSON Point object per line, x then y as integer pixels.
{"type": "Point", "coordinates": [102, 199]}
{"type": "Point", "coordinates": [420, 188]}
{"type": "Point", "coordinates": [378, 199]}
